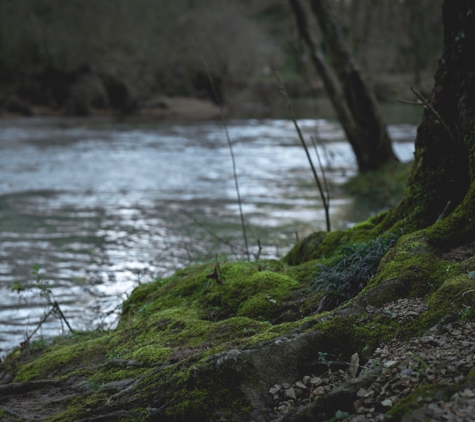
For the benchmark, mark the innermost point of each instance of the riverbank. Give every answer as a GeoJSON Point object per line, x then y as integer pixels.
{"type": "Point", "coordinates": [104, 203]}
{"type": "Point", "coordinates": [161, 108]}
{"type": "Point", "coordinates": [244, 341]}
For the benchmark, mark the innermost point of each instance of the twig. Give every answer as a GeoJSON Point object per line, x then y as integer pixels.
{"type": "Point", "coordinates": [155, 411]}
{"type": "Point", "coordinates": [310, 161]}
{"type": "Point", "coordinates": [437, 115]}
{"type": "Point", "coordinates": [416, 103]}
{"type": "Point", "coordinates": [468, 291]}
{"type": "Point", "coordinates": [29, 337]}
{"type": "Point", "coordinates": [443, 213]}
{"type": "Point", "coordinates": [327, 190]}
{"type": "Point", "coordinates": [56, 305]}
{"type": "Point", "coordinates": [231, 151]}
{"type": "Point", "coordinates": [258, 255]}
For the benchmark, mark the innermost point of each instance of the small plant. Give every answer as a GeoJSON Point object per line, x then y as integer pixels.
{"type": "Point", "coordinates": [451, 268]}
{"type": "Point", "coordinates": [45, 292]}
{"type": "Point", "coordinates": [322, 188]}
{"type": "Point", "coordinates": [349, 275]}
{"type": "Point", "coordinates": [465, 313]}
{"type": "Point", "coordinates": [322, 357]}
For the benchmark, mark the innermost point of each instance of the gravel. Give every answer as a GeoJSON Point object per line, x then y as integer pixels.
{"type": "Point", "coordinates": [443, 356]}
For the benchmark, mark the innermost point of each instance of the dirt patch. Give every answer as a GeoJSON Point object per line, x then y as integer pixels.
{"type": "Point", "coordinates": [459, 253]}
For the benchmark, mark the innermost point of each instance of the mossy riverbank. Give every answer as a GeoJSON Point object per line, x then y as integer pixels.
{"type": "Point", "coordinates": [207, 343]}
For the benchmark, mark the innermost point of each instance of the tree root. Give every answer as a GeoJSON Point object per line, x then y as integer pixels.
{"type": "Point", "coordinates": [341, 398]}
{"type": "Point", "coordinates": [25, 387]}
{"type": "Point", "coordinates": [14, 414]}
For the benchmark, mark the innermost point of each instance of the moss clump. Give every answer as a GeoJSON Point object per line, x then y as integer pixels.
{"type": "Point", "coordinates": [150, 354]}
{"type": "Point", "coordinates": [323, 245]}
{"type": "Point", "coordinates": [417, 399]}
{"type": "Point", "coordinates": [60, 359]}
{"type": "Point", "coordinates": [453, 294]}
{"type": "Point", "coordinates": [413, 262]}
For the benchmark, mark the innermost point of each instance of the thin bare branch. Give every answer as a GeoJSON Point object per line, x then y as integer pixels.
{"type": "Point", "coordinates": [231, 152]}
{"type": "Point", "coordinates": [416, 103]}
{"type": "Point", "coordinates": [56, 305]}
{"type": "Point", "coordinates": [322, 169]}
{"type": "Point", "coordinates": [310, 161]}
{"type": "Point", "coordinates": [434, 111]}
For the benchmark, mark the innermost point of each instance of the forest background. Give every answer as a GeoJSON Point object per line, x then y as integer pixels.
{"type": "Point", "coordinates": [69, 56]}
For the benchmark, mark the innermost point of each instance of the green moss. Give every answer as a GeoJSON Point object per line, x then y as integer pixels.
{"type": "Point", "coordinates": [171, 329]}
{"type": "Point", "coordinates": [453, 294]}
{"type": "Point", "coordinates": [8, 417]}
{"type": "Point", "coordinates": [322, 245]}
{"type": "Point", "coordinates": [78, 408]}
{"type": "Point", "coordinates": [60, 359]}
{"type": "Point", "coordinates": [150, 354]}
{"type": "Point", "coordinates": [416, 400]}
{"type": "Point", "coordinates": [106, 374]}
{"type": "Point", "coordinates": [376, 331]}
{"type": "Point", "coordinates": [459, 227]}
{"type": "Point", "coordinates": [413, 262]}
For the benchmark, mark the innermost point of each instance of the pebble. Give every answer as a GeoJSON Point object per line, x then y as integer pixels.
{"type": "Point", "coordinates": [444, 357]}
{"type": "Point", "coordinates": [316, 381]}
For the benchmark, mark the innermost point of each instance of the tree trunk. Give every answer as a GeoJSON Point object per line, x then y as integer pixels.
{"type": "Point", "coordinates": [442, 179]}
{"type": "Point", "coordinates": [332, 85]}
{"type": "Point", "coordinates": [367, 133]}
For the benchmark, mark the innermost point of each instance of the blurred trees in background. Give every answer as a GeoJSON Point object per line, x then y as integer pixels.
{"type": "Point", "coordinates": [157, 47]}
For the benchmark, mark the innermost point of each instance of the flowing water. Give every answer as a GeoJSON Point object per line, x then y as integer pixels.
{"type": "Point", "coordinates": [103, 205]}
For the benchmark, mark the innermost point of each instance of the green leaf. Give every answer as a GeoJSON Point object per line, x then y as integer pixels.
{"type": "Point", "coordinates": [18, 287]}
{"type": "Point", "coordinates": [471, 274]}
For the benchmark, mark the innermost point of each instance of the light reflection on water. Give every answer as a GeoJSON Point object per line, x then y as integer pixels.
{"type": "Point", "coordinates": [103, 205]}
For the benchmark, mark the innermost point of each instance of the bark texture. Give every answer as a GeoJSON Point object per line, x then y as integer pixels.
{"type": "Point", "coordinates": [440, 190]}
{"type": "Point", "coordinates": [354, 103]}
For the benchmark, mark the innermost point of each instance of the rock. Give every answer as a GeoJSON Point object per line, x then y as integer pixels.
{"type": "Point", "coordinates": [361, 392]}
{"type": "Point", "coordinates": [387, 403]}
{"type": "Point", "coordinates": [354, 365]}
{"type": "Point", "coordinates": [319, 391]}
{"type": "Point", "coordinates": [358, 404]}
{"type": "Point", "coordinates": [315, 381]}
{"type": "Point", "coordinates": [306, 380]}
{"type": "Point", "coordinates": [275, 389]}
{"type": "Point", "coordinates": [232, 355]}
{"type": "Point", "coordinates": [289, 403]}
{"type": "Point", "coordinates": [290, 392]}
{"type": "Point", "coordinates": [300, 385]}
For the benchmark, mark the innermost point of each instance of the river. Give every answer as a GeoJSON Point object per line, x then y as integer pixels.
{"type": "Point", "coordinates": [103, 205]}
